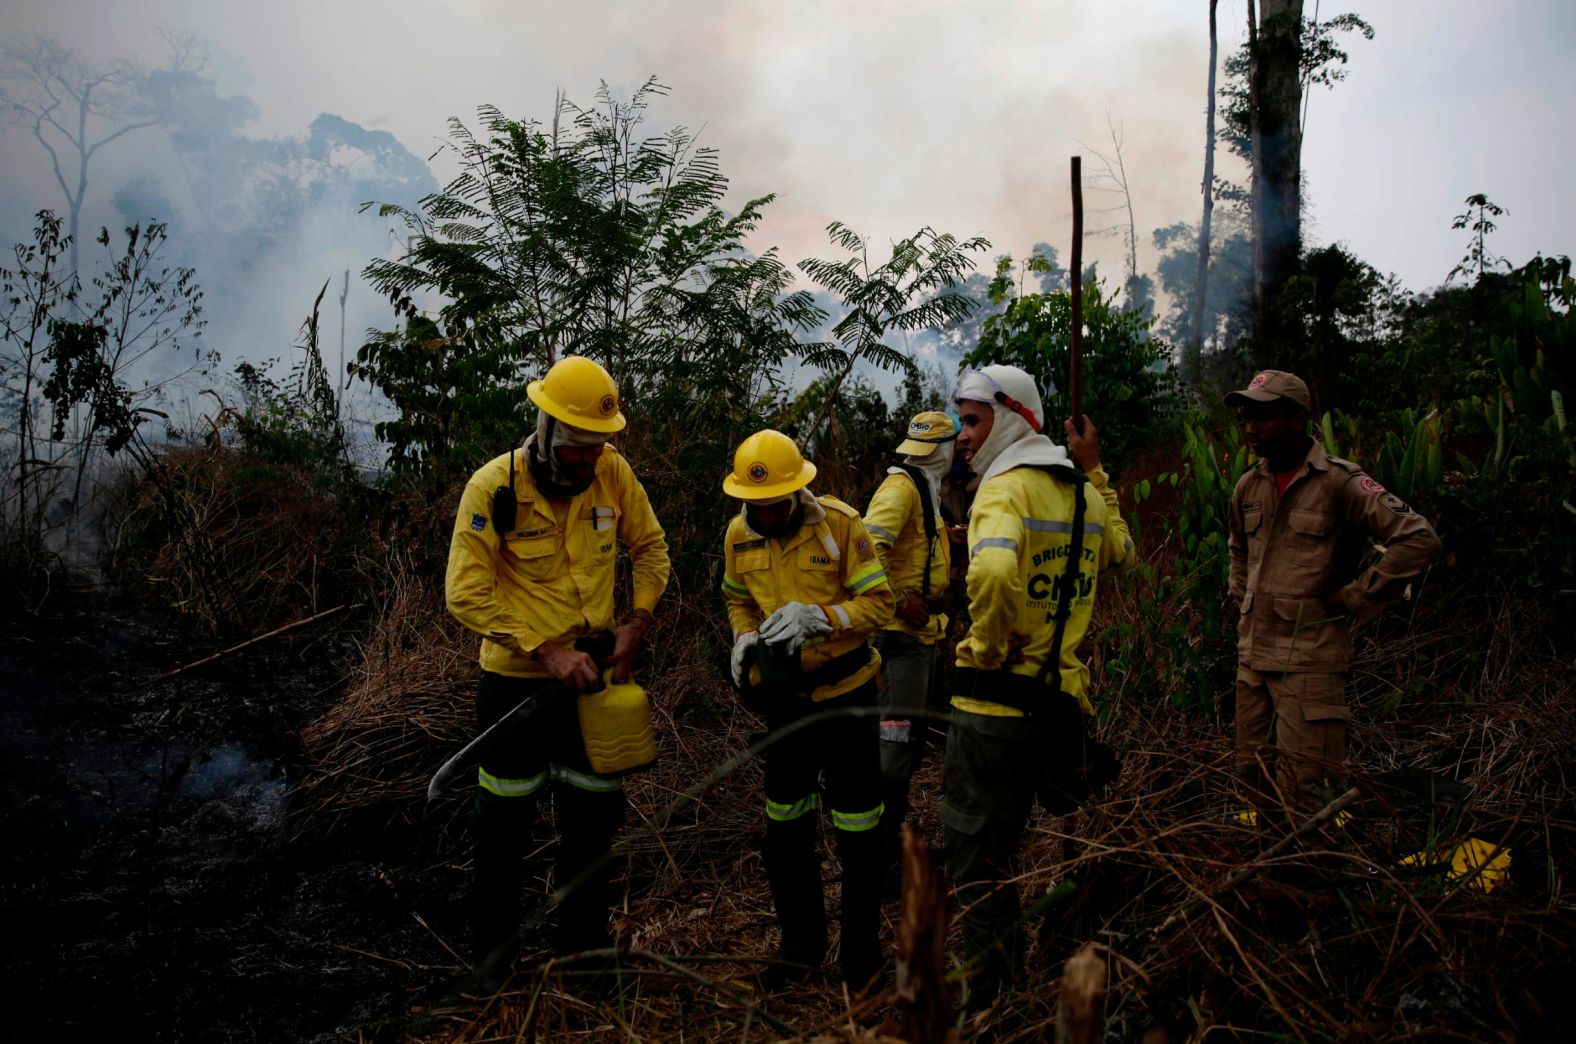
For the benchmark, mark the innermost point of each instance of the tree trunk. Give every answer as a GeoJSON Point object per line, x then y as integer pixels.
{"type": "Point", "coordinates": [1195, 352]}
{"type": "Point", "coordinates": [1275, 102]}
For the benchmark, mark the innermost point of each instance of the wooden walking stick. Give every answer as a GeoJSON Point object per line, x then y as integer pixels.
{"type": "Point", "coordinates": [1075, 379]}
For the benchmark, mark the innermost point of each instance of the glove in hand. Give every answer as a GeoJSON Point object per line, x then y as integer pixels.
{"type": "Point", "coordinates": [741, 648]}
{"type": "Point", "coordinates": [793, 624]}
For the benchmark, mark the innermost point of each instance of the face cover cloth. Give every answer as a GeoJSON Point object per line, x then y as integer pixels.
{"type": "Point", "coordinates": [541, 452]}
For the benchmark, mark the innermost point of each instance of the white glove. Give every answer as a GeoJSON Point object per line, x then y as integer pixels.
{"type": "Point", "coordinates": [741, 647]}
{"type": "Point", "coordinates": [790, 626]}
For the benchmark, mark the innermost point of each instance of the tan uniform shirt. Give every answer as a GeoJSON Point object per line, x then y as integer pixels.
{"type": "Point", "coordinates": [1293, 557]}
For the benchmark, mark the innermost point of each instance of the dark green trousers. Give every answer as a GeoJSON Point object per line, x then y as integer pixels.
{"type": "Point", "coordinates": [995, 771]}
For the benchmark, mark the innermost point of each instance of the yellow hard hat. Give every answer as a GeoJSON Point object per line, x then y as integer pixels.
{"type": "Point", "coordinates": [578, 392]}
{"type": "Point", "coordinates": [767, 465]}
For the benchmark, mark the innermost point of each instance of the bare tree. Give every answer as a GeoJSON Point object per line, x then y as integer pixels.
{"type": "Point", "coordinates": [1111, 177]}
{"type": "Point", "coordinates": [74, 107]}
{"type": "Point", "coordinates": [1195, 349]}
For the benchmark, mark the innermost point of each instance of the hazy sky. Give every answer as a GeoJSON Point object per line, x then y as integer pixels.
{"type": "Point", "coordinates": [890, 114]}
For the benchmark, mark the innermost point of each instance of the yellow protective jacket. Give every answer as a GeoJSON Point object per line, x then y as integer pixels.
{"type": "Point", "coordinates": [550, 577]}
{"type": "Point", "coordinates": [1020, 528]}
{"type": "Point", "coordinates": [895, 521]}
{"type": "Point", "coordinates": [828, 562]}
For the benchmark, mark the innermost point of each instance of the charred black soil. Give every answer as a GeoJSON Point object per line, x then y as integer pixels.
{"type": "Point", "coordinates": [152, 885]}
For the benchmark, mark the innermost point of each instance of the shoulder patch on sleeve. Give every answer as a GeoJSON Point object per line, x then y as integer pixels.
{"type": "Point", "coordinates": [1370, 485]}
{"type": "Point", "coordinates": [1395, 503]}
{"type": "Point", "coordinates": [862, 546]}
{"type": "Point", "coordinates": [478, 522]}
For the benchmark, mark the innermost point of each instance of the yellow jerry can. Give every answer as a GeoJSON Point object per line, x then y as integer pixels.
{"type": "Point", "coordinates": [616, 726]}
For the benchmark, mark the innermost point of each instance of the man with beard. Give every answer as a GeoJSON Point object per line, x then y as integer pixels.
{"type": "Point", "coordinates": [1301, 523]}
{"type": "Point", "coordinates": [1041, 531]}
{"type": "Point", "coordinates": [904, 521]}
{"type": "Point", "coordinates": [531, 569]}
{"type": "Point", "coordinates": [804, 590]}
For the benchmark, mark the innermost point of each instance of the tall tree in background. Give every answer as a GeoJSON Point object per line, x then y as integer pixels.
{"type": "Point", "coordinates": [1195, 342]}
{"type": "Point", "coordinates": [1260, 121]}
{"type": "Point", "coordinates": [1275, 107]}
{"type": "Point", "coordinates": [74, 107]}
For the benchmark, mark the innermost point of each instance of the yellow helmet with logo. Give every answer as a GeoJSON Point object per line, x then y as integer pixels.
{"type": "Point", "coordinates": [767, 465]}
{"type": "Point", "coordinates": [578, 392]}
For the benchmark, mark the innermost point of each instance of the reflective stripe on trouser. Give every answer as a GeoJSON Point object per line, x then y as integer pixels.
{"type": "Point", "coordinates": [504, 787]}
{"type": "Point", "coordinates": [854, 822]}
{"type": "Point", "coordinates": [590, 809]}
{"type": "Point", "coordinates": [847, 750]}
{"type": "Point", "coordinates": [784, 813]}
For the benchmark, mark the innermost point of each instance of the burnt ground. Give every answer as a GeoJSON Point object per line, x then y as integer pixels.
{"type": "Point", "coordinates": [150, 883]}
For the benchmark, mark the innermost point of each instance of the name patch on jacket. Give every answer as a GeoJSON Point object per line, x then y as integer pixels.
{"type": "Point", "coordinates": [526, 534]}
{"type": "Point", "coordinates": [749, 545]}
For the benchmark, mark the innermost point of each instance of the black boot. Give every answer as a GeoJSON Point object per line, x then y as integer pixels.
{"type": "Point", "coordinates": [503, 836]}
{"type": "Point", "coordinates": [584, 870]}
{"type": "Point", "coordinates": [860, 852]}
{"type": "Point", "coordinates": [894, 793]}
{"type": "Point", "coordinates": [793, 869]}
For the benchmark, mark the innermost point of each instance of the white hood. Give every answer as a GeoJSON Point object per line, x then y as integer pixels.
{"type": "Point", "coordinates": [1012, 441]}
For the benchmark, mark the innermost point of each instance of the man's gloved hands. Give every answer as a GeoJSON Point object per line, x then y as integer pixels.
{"type": "Point", "coordinates": [793, 624]}
{"type": "Point", "coordinates": [741, 648]}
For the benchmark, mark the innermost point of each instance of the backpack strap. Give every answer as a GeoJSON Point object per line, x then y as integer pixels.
{"type": "Point", "coordinates": [1071, 573]}
{"type": "Point", "coordinates": [922, 484]}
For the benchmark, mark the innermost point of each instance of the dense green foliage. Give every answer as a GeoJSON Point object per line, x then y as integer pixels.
{"type": "Point", "coordinates": [580, 238]}
{"type": "Point", "coordinates": [1128, 384]}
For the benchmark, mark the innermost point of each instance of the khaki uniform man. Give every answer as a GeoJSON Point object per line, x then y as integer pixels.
{"type": "Point", "coordinates": [1301, 524]}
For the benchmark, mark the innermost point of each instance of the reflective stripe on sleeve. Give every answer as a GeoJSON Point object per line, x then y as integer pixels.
{"type": "Point", "coordinates": [587, 781]}
{"type": "Point", "coordinates": [729, 587]}
{"type": "Point", "coordinates": [843, 622]}
{"type": "Point", "coordinates": [856, 822]}
{"type": "Point", "coordinates": [1005, 543]}
{"type": "Point", "coordinates": [509, 787]}
{"type": "Point", "coordinates": [876, 530]}
{"type": "Point", "coordinates": [872, 575]}
{"type": "Point", "coordinates": [787, 813]}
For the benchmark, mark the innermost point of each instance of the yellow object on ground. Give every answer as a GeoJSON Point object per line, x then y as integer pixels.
{"type": "Point", "coordinates": [1249, 817]}
{"type": "Point", "coordinates": [1467, 857]}
{"type": "Point", "coordinates": [616, 726]}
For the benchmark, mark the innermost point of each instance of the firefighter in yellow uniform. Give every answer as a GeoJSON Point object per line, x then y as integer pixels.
{"type": "Point", "coordinates": [804, 590]}
{"type": "Point", "coordinates": [1041, 532]}
{"type": "Point", "coordinates": [904, 521]}
{"type": "Point", "coordinates": [531, 569]}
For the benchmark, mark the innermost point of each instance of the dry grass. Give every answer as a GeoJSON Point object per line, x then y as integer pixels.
{"type": "Point", "coordinates": [1326, 939]}
{"type": "Point", "coordinates": [234, 544]}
